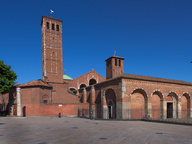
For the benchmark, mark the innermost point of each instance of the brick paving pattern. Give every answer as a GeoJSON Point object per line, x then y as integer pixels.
{"type": "Point", "coordinates": [54, 130]}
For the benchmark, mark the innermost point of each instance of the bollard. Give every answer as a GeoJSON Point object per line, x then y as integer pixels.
{"type": "Point", "coordinates": [59, 115]}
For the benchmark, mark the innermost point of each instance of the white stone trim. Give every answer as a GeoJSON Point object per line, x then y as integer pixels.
{"type": "Point", "coordinates": [18, 89]}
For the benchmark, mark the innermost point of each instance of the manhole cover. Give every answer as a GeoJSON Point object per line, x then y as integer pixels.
{"type": "Point", "coordinates": [103, 138]}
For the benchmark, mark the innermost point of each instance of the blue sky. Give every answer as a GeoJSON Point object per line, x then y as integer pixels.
{"type": "Point", "coordinates": [154, 37]}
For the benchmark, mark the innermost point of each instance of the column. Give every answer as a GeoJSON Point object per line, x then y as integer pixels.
{"type": "Point", "coordinates": [92, 103]}
{"type": "Point", "coordinates": [179, 108]}
{"type": "Point", "coordinates": [18, 89]}
{"type": "Point", "coordinates": [84, 95]}
{"type": "Point", "coordinates": [104, 107]}
{"type": "Point", "coordinates": [164, 109]}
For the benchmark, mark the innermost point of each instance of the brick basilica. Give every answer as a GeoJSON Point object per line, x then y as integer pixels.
{"type": "Point", "coordinates": [119, 96]}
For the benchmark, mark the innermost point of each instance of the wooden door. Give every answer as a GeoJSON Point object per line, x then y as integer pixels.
{"type": "Point", "coordinates": [15, 109]}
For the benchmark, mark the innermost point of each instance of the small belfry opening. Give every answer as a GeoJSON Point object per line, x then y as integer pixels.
{"type": "Point", "coordinates": [53, 26]}
{"type": "Point", "coordinates": [47, 25]}
{"type": "Point", "coordinates": [92, 81]}
{"type": "Point", "coordinates": [57, 27]}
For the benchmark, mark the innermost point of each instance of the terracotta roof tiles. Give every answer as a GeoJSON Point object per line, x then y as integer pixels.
{"type": "Point", "coordinates": [35, 83]}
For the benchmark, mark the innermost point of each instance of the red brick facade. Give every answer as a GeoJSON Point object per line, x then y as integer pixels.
{"type": "Point", "coordinates": [52, 57]}
{"type": "Point", "coordinates": [121, 96]}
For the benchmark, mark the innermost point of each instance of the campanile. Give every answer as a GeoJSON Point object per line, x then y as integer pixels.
{"type": "Point", "coordinates": [114, 67]}
{"type": "Point", "coordinates": [52, 53]}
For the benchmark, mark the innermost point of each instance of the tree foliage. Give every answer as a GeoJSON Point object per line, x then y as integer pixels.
{"type": "Point", "coordinates": [7, 77]}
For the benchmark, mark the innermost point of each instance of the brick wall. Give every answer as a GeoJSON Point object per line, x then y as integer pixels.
{"type": "Point", "coordinates": [55, 109]}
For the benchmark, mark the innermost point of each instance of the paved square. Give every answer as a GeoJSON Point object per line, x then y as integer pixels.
{"type": "Point", "coordinates": [53, 130]}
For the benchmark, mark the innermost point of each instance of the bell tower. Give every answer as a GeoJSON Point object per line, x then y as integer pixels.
{"type": "Point", "coordinates": [52, 57]}
{"type": "Point", "coordinates": [114, 67]}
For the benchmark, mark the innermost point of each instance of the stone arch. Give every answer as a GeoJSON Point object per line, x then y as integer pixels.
{"type": "Point", "coordinates": [110, 98]}
{"type": "Point", "coordinates": [172, 105]}
{"type": "Point", "coordinates": [92, 81]}
{"type": "Point", "coordinates": [139, 104]}
{"type": "Point", "coordinates": [74, 90]}
{"type": "Point", "coordinates": [45, 99]}
{"type": "Point", "coordinates": [157, 105]}
{"type": "Point", "coordinates": [185, 105]}
{"type": "Point", "coordinates": [82, 85]}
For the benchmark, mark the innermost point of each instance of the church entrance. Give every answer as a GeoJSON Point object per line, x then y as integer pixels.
{"type": "Point", "coordinates": [169, 110]}
{"type": "Point", "coordinates": [111, 113]}
{"type": "Point", "coordinates": [111, 104]}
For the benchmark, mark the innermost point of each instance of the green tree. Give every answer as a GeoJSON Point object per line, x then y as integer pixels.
{"type": "Point", "coordinates": [7, 77]}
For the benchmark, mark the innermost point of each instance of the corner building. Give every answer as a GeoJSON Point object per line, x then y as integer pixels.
{"type": "Point", "coordinates": [119, 96]}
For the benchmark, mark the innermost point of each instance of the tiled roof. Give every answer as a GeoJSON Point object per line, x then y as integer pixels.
{"type": "Point", "coordinates": [35, 83]}
{"type": "Point", "coordinates": [156, 79]}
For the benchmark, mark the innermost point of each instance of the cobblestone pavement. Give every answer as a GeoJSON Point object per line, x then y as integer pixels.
{"type": "Point", "coordinates": [53, 130]}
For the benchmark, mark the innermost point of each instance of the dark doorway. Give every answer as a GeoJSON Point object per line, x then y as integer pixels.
{"type": "Point", "coordinates": [169, 110]}
{"type": "Point", "coordinates": [111, 104]}
{"type": "Point", "coordinates": [110, 108]}
{"type": "Point", "coordinates": [24, 111]}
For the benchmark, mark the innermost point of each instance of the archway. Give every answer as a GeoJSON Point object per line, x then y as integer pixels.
{"type": "Point", "coordinates": [157, 105]}
{"type": "Point", "coordinates": [92, 81]}
{"type": "Point", "coordinates": [111, 103]}
{"type": "Point", "coordinates": [172, 105]}
{"type": "Point", "coordinates": [45, 99]}
{"type": "Point", "coordinates": [73, 90]}
{"type": "Point", "coordinates": [185, 106]}
{"type": "Point", "coordinates": [82, 86]}
{"type": "Point", "coordinates": [138, 104]}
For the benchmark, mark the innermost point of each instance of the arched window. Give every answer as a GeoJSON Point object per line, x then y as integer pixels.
{"type": "Point", "coordinates": [47, 25]}
{"type": "Point", "coordinates": [119, 62]}
{"type": "Point", "coordinates": [73, 90]}
{"type": "Point", "coordinates": [45, 99]}
{"type": "Point", "coordinates": [53, 26]}
{"type": "Point", "coordinates": [115, 62]}
{"type": "Point", "coordinates": [92, 81]}
{"type": "Point", "coordinates": [82, 86]}
{"type": "Point", "coordinates": [57, 27]}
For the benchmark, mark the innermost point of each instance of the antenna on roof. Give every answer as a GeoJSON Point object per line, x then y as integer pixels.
{"type": "Point", "coordinates": [64, 71]}
{"type": "Point", "coordinates": [51, 11]}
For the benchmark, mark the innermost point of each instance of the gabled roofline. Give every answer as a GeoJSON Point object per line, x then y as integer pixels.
{"type": "Point", "coordinates": [40, 85]}
{"type": "Point", "coordinates": [88, 73]}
